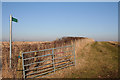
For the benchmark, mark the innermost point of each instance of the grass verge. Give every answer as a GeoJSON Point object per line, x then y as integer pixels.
{"type": "Point", "coordinates": [96, 60]}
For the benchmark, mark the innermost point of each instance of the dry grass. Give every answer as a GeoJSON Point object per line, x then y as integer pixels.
{"type": "Point", "coordinates": [95, 60]}
{"type": "Point", "coordinates": [32, 46]}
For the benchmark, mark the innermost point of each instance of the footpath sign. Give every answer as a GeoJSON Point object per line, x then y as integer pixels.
{"type": "Point", "coordinates": [15, 20]}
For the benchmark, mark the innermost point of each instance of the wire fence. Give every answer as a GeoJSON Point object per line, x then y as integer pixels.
{"type": "Point", "coordinates": [41, 63]}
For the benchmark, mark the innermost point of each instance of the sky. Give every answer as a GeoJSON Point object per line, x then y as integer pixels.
{"type": "Point", "coordinates": [46, 21]}
{"type": "Point", "coordinates": [60, 0]}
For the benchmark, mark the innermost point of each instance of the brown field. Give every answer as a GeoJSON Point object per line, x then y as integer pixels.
{"type": "Point", "coordinates": [87, 52]}
{"type": "Point", "coordinates": [32, 46]}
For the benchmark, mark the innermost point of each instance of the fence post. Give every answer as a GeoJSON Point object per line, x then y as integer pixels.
{"type": "Point", "coordinates": [53, 58]}
{"type": "Point", "coordinates": [19, 66]}
{"type": "Point", "coordinates": [23, 66]}
{"type": "Point", "coordinates": [74, 53]}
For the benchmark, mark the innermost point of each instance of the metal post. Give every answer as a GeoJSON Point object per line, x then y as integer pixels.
{"type": "Point", "coordinates": [10, 38]}
{"type": "Point", "coordinates": [23, 65]}
{"type": "Point", "coordinates": [74, 53]}
{"type": "Point", "coordinates": [53, 58]}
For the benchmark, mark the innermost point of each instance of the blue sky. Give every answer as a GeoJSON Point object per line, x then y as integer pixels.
{"type": "Point", "coordinates": [46, 21]}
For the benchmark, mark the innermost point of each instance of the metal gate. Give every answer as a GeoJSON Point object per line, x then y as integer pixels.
{"type": "Point", "coordinates": [41, 63]}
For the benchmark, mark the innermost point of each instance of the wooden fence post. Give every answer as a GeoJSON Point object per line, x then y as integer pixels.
{"type": "Point", "coordinates": [19, 66]}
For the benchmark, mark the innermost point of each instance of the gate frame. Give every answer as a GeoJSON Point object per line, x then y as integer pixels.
{"type": "Point", "coordinates": [73, 54]}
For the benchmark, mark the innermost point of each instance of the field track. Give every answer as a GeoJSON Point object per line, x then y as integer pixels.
{"type": "Point", "coordinates": [95, 60]}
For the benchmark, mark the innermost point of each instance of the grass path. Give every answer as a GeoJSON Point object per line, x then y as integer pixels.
{"type": "Point", "coordinates": [96, 60]}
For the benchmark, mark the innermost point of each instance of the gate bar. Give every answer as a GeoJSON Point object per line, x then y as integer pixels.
{"type": "Point", "coordinates": [38, 67]}
{"type": "Point", "coordinates": [39, 71]}
{"type": "Point", "coordinates": [64, 67]}
{"type": "Point", "coordinates": [42, 74]}
{"type": "Point", "coordinates": [37, 56]}
{"type": "Point", "coordinates": [65, 64]}
{"type": "Point", "coordinates": [62, 61]}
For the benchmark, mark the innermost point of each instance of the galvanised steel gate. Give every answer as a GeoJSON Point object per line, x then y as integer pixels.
{"type": "Point", "coordinates": [41, 63]}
